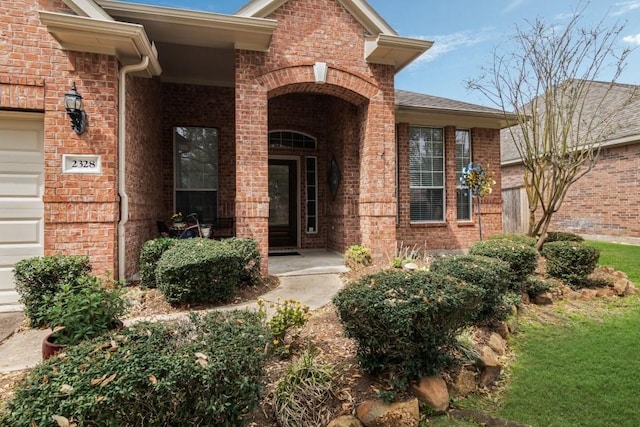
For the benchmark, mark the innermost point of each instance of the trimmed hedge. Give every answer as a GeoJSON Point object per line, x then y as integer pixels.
{"type": "Point", "coordinates": [405, 322]}
{"type": "Point", "coordinates": [198, 271]}
{"type": "Point", "coordinates": [490, 274]}
{"type": "Point", "coordinates": [518, 238]}
{"type": "Point", "coordinates": [522, 259]}
{"type": "Point", "coordinates": [41, 277]}
{"type": "Point", "coordinates": [249, 256]}
{"type": "Point", "coordinates": [562, 236]}
{"type": "Point", "coordinates": [150, 254]}
{"type": "Point", "coordinates": [201, 371]}
{"type": "Point", "coordinates": [570, 261]}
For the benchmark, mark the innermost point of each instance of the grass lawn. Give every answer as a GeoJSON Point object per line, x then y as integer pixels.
{"type": "Point", "coordinates": [623, 257]}
{"type": "Point", "coordinates": [581, 374]}
{"type": "Point", "coordinates": [581, 370]}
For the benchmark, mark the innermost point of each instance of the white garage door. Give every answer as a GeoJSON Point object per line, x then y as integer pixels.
{"type": "Point", "coordinates": [21, 188]}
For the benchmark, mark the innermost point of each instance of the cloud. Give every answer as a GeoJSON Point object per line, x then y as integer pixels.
{"type": "Point", "coordinates": [634, 39]}
{"type": "Point", "coordinates": [514, 4]}
{"type": "Point", "coordinates": [447, 43]}
{"type": "Point", "coordinates": [626, 6]}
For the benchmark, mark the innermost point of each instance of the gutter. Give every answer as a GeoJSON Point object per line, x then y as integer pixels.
{"type": "Point", "coordinates": [122, 190]}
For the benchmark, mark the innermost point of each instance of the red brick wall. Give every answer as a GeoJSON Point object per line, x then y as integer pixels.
{"type": "Point", "coordinates": [309, 31]}
{"type": "Point", "coordinates": [144, 151]}
{"type": "Point", "coordinates": [81, 211]}
{"type": "Point", "coordinates": [451, 233]}
{"type": "Point", "coordinates": [605, 202]}
{"type": "Point", "coordinates": [199, 106]}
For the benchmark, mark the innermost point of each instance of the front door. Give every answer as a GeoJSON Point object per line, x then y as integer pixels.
{"type": "Point", "coordinates": [283, 205]}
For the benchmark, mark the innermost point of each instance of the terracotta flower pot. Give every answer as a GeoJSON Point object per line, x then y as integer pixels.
{"type": "Point", "coordinates": [49, 346]}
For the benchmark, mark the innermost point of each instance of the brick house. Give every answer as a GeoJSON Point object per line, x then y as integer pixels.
{"type": "Point", "coordinates": [605, 203]}
{"type": "Point", "coordinates": [282, 117]}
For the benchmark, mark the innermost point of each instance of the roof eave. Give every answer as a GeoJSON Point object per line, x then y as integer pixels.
{"type": "Point", "coordinates": [243, 32]}
{"type": "Point", "coordinates": [452, 117]}
{"type": "Point", "coordinates": [128, 42]}
{"type": "Point", "coordinates": [394, 50]}
{"type": "Point", "coordinates": [88, 8]}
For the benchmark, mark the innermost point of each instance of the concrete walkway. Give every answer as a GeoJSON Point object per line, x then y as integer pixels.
{"type": "Point", "coordinates": [310, 277]}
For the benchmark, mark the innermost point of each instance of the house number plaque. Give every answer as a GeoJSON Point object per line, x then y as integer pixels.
{"type": "Point", "coordinates": [81, 163]}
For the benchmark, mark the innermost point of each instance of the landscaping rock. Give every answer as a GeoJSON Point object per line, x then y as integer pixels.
{"type": "Point", "coordinates": [588, 294]}
{"type": "Point", "coordinates": [410, 266]}
{"type": "Point", "coordinates": [503, 330]}
{"type": "Point", "coordinates": [544, 298]}
{"type": "Point", "coordinates": [570, 294]}
{"type": "Point", "coordinates": [623, 287]}
{"type": "Point", "coordinates": [489, 376]}
{"type": "Point", "coordinates": [376, 413]}
{"type": "Point", "coordinates": [497, 343]}
{"type": "Point", "coordinates": [432, 391]}
{"type": "Point", "coordinates": [487, 357]}
{"type": "Point", "coordinates": [490, 367]}
{"type": "Point", "coordinates": [345, 421]}
{"type": "Point", "coordinates": [464, 383]}
{"type": "Point", "coordinates": [605, 292]}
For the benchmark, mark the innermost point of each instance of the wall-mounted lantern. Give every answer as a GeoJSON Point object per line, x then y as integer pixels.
{"type": "Point", "coordinates": [73, 104]}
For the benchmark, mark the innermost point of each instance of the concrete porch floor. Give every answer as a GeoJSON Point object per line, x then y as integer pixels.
{"type": "Point", "coordinates": [309, 262]}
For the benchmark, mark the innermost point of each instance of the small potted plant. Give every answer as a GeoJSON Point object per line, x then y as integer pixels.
{"type": "Point", "coordinates": [82, 310]}
{"type": "Point", "coordinates": [178, 220]}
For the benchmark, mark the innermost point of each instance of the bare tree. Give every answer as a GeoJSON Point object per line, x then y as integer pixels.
{"type": "Point", "coordinates": [549, 81]}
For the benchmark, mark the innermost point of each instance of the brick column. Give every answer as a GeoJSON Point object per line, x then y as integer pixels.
{"type": "Point", "coordinates": [252, 154]}
{"type": "Point", "coordinates": [377, 205]}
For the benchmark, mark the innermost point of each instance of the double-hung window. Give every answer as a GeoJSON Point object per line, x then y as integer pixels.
{"type": "Point", "coordinates": [426, 174]}
{"type": "Point", "coordinates": [463, 158]}
{"type": "Point", "coordinates": [196, 172]}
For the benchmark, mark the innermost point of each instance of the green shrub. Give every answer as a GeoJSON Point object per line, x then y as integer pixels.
{"type": "Point", "coordinates": [150, 254]}
{"type": "Point", "coordinates": [86, 308]}
{"type": "Point", "coordinates": [570, 261]}
{"type": "Point", "coordinates": [522, 259]}
{"type": "Point", "coordinates": [247, 251]}
{"type": "Point", "coordinates": [518, 238]}
{"type": "Point", "coordinates": [490, 274]}
{"type": "Point", "coordinates": [357, 256]}
{"type": "Point", "coordinates": [405, 322]}
{"type": "Point", "coordinates": [202, 371]}
{"type": "Point", "coordinates": [289, 314]}
{"type": "Point", "coordinates": [37, 278]}
{"type": "Point", "coordinates": [535, 286]}
{"type": "Point", "coordinates": [304, 396]}
{"type": "Point", "coordinates": [198, 271]}
{"type": "Point", "coordinates": [562, 236]}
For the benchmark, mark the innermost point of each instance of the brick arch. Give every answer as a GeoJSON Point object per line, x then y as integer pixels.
{"type": "Point", "coordinates": [301, 79]}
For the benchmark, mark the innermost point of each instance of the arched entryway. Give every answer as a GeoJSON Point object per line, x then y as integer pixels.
{"type": "Point", "coordinates": [352, 120]}
{"type": "Point", "coordinates": [314, 171]}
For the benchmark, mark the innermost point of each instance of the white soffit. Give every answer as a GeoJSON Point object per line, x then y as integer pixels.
{"type": "Point", "coordinates": [449, 117]}
{"type": "Point", "coordinates": [193, 28]}
{"type": "Point", "coordinates": [394, 50]}
{"type": "Point", "coordinates": [128, 42]}
{"type": "Point", "coordinates": [88, 8]}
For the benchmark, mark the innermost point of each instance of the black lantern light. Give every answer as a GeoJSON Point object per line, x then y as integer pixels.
{"type": "Point", "coordinates": [73, 104]}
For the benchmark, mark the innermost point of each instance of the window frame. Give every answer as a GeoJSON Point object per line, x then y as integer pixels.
{"type": "Point", "coordinates": [442, 188]}
{"type": "Point", "coordinates": [176, 180]}
{"type": "Point", "coordinates": [459, 185]}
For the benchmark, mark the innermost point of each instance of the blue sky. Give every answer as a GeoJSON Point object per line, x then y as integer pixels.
{"type": "Point", "coordinates": [466, 32]}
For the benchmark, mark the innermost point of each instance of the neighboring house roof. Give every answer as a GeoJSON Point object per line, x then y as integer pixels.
{"type": "Point", "coordinates": [418, 108]}
{"type": "Point", "coordinates": [628, 120]}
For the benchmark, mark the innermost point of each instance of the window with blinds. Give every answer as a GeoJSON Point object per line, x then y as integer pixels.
{"type": "Point", "coordinates": [426, 174]}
